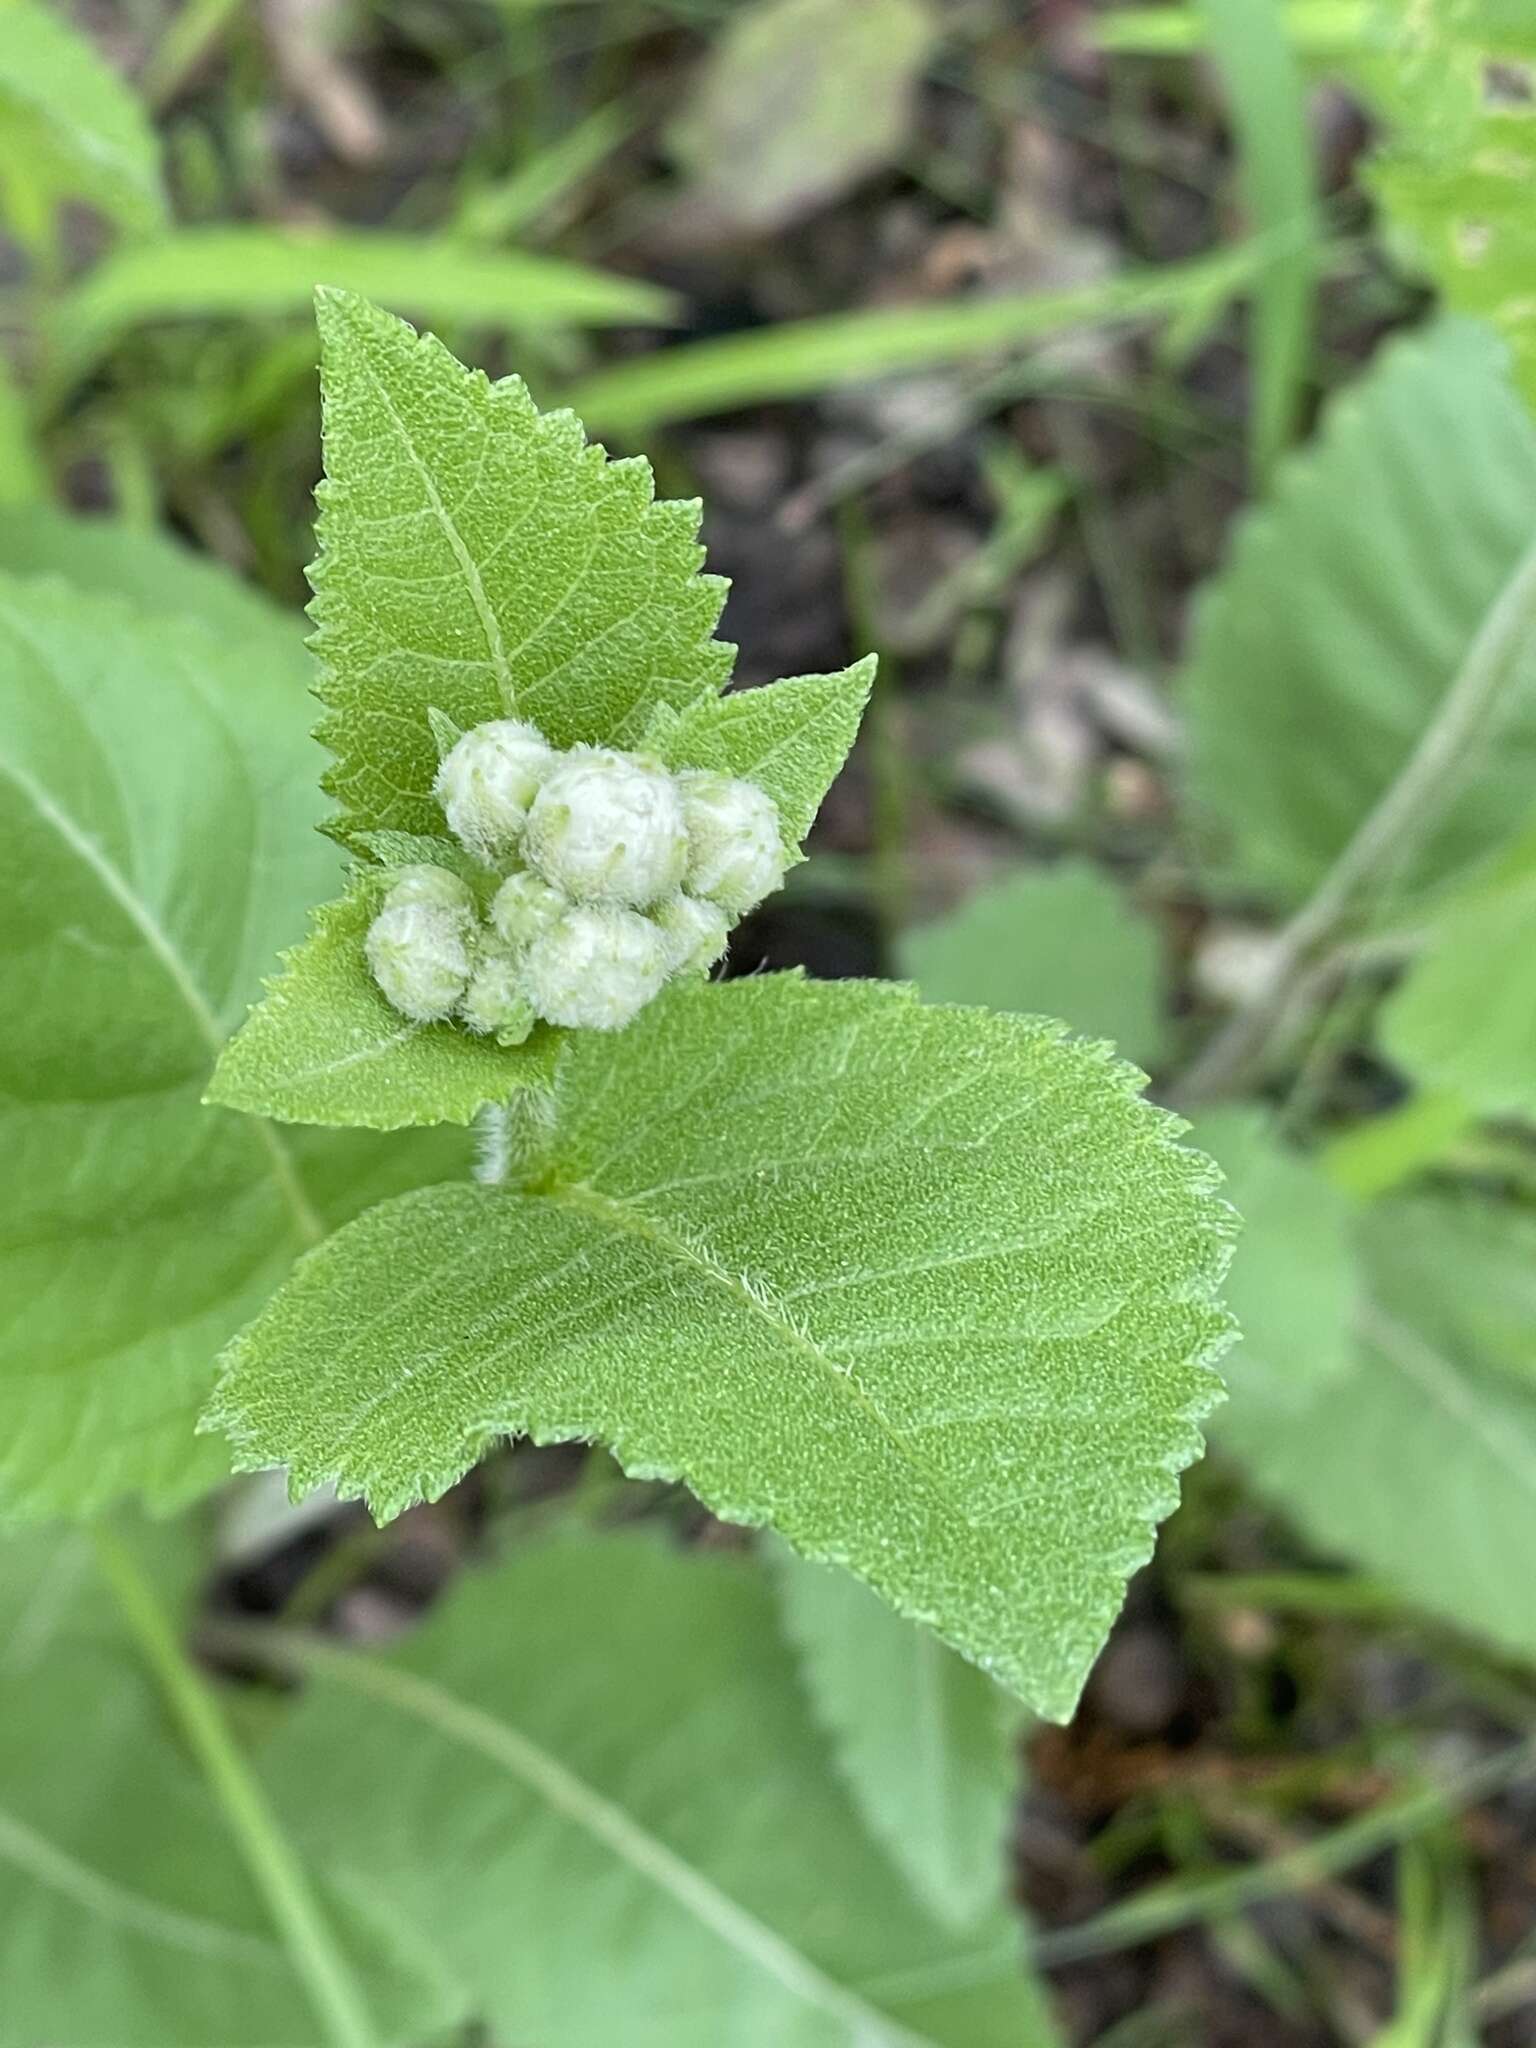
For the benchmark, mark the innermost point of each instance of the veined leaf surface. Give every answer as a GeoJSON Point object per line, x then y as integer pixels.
{"type": "Point", "coordinates": [928, 1290]}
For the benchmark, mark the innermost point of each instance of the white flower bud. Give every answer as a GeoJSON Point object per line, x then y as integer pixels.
{"type": "Point", "coordinates": [735, 856]}
{"type": "Point", "coordinates": [436, 887]}
{"type": "Point", "coordinates": [596, 968]}
{"type": "Point", "coordinates": [496, 1000]}
{"type": "Point", "coordinates": [419, 954]}
{"type": "Point", "coordinates": [695, 933]}
{"type": "Point", "coordinates": [487, 781]}
{"type": "Point", "coordinates": [524, 906]}
{"type": "Point", "coordinates": [608, 828]}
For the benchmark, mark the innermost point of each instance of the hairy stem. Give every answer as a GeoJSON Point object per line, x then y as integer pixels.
{"type": "Point", "coordinates": [1403, 818]}
{"type": "Point", "coordinates": [513, 1137]}
{"type": "Point", "coordinates": [278, 1875]}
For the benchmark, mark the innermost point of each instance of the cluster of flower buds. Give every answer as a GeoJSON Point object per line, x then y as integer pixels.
{"type": "Point", "coordinates": [606, 875]}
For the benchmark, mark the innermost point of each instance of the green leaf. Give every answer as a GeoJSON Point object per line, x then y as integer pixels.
{"type": "Point", "coordinates": [684, 1873]}
{"type": "Point", "coordinates": [1419, 1463]}
{"type": "Point", "coordinates": [767, 135]}
{"type": "Point", "coordinates": [1463, 1023]}
{"type": "Point", "coordinates": [263, 273]}
{"type": "Point", "coordinates": [478, 557]}
{"type": "Point", "coordinates": [1292, 1282]}
{"type": "Point", "coordinates": [1347, 611]}
{"type": "Point", "coordinates": [154, 824]}
{"type": "Point", "coordinates": [125, 1913]}
{"type": "Point", "coordinates": [1054, 942]}
{"type": "Point", "coordinates": [158, 573]}
{"type": "Point", "coordinates": [67, 121]}
{"type": "Point", "coordinates": [1456, 171]}
{"type": "Point", "coordinates": [790, 739]}
{"type": "Point", "coordinates": [929, 1290]}
{"type": "Point", "coordinates": [927, 1743]}
{"type": "Point", "coordinates": [324, 1047]}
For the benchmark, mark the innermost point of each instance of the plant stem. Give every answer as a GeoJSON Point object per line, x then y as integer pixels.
{"type": "Point", "coordinates": [513, 1137]}
{"type": "Point", "coordinates": [278, 1875]}
{"type": "Point", "coordinates": [1404, 816]}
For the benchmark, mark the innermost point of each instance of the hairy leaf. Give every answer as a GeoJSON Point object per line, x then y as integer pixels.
{"type": "Point", "coordinates": [767, 136]}
{"type": "Point", "coordinates": [478, 558]}
{"type": "Point", "coordinates": [928, 1744]}
{"type": "Point", "coordinates": [1419, 1462]}
{"type": "Point", "coordinates": [1326, 647]}
{"type": "Point", "coordinates": [681, 1874]}
{"type": "Point", "coordinates": [929, 1290]}
{"type": "Point", "coordinates": [68, 124]}
{"type": "Point", "coordinates": [154, 824]}
{"type": "Point", "coordinates": [1055, 942]}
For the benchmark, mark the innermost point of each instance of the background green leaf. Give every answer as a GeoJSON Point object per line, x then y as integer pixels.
{"type": "Point", "coordinates": [929, 1290]}
{"type": "Point", "coordinates": [1052, 942]}
{"type": "Point", "coordinates": [69, 127]}
{"type": "Point", "coordinates": [155, 816]}
{"type": "Point", "coordinates": [1348, 606]}
{"type": "Point", "coordinates": [1419, 1462]}
{"type": "Point", "coordinates": [683, 1873]}
{"type": "Point", "coordinates": [928, 1744]}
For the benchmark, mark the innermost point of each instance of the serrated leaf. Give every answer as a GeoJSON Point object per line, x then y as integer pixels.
{"type": "Point", "coordinates": [125, 1912]}
{"type": "Point", "coordinates": [767, 134]}
{"type": "Point", "coordinates": [324, 1047]}
{"type": "Point", "coordinates": [790, 739]}
{"type": "Point", "coordinates": [1463, 1022]}
{"type": "Point", "coordinates": [929, 1290]}
{"type": "Point", "coordinates": [477, 557]}
{"type": "Point", "coordinates": [68, 124]}
{"type": "Point", "coordinates": [927, 1743]}
{"type": "Point", "coordinates": [1323, 651]}
{"type": "Point", "coordinates": [698, 1844]}
{"type": "Point", "coordinates": [1419, 1462]}
{"type": "Point", "coordinates": [1292, 1283]}
{"type": "Point", "coordinates": [155, 826]}
{"type": "Point", "coordinates": [1054, 942]}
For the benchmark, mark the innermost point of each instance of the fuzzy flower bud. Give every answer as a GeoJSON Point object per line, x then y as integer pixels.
{"type": "Point", "coordinates": [608, 828]}
{"type": "Point", "coordinates": [735, 857]}
{"type": "Point", "coordinates": [695, 933]}
{"type": "Point", "coordinates": [487, 781]}
{"type": "Point", "coordinates": [434, 887]}
{"type": "Point", "coordinates": [597, 967]}
{"type": "Point", "coordinates": [496, 1001]}
{"type": "Point", "coordinates": [524, 906]}
{"type": "Point", "coordinates": [419, 954]}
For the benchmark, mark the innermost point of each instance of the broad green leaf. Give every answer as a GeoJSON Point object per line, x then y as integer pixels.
{"type": "Point", "coordinates": [611, 1816]}
{"type": "Point", "coordinates": [1456, 171]}
{"type": "Point", "coordinates": [798, 100]}
{"type": "Point", "coordinates": [155, 823]}
{"type": "Point", "coordinates": [1055, 942]}
{"type": "Point", "coordinates": [1463, 1023]}
{"type": "Point", "coordinates": [1292, 1283]}
{"type": "Point", "coordinates": [1351, 603]}
{"type": "Point", "coordinates": [160, 575]}
{"type": "Point", "coordinates": [1419, 1462]}
{"type": "Point", "coordinates": [478, 557]}
{"type": "Point", "coordinates": [263, 273]}
{"type": "Point", "coordinates": [927, 1743]}
{"type": "Point", "coordinates": [326, 1048]}
{"type": "Point", "coordinates": [125, 1913]}
{"type": "Point", "coordinates": [68, 124]}
{"type": "Point", "coordinates": [928, 1290]}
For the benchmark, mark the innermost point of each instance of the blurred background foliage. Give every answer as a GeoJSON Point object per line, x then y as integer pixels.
{"type": "Point", "coordinates": [1151, 385]}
